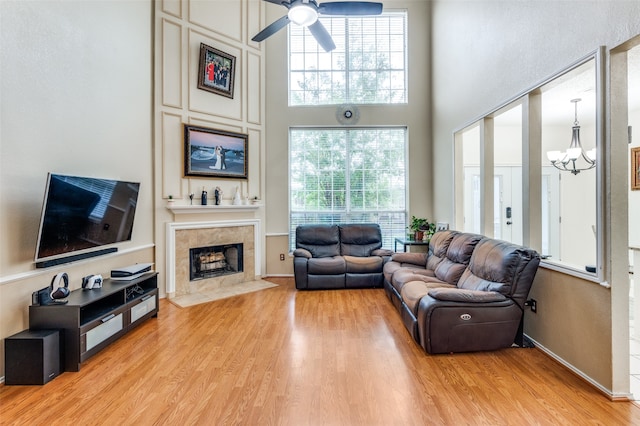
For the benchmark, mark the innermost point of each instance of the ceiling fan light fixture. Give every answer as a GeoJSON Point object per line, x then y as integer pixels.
{"type": "Point", "coordinates": [303, 14]}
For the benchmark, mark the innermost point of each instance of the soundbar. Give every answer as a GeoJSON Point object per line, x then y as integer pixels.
{"type": "Point", "coordinates": [75, 257]}
{"type": "Point", "coordinates": [131, 271]}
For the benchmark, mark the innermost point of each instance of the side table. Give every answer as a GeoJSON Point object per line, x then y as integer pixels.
{"type": "Point", "coordinates": [406, 243]}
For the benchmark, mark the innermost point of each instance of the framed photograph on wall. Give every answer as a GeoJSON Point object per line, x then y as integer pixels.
{"type": "Point", "coordinates": [216, 71]}
{"type": "Point", "coordinates": [635, 169]}
{"type": "Point", "coordinates": [215, 153]}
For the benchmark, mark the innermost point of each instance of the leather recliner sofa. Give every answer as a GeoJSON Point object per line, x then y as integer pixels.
{"type": "Point", "coordinates": [339, 256]}
{"type": "Point", "coordinates": [467, 293]}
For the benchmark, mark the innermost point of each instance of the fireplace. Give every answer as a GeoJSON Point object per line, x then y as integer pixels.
{"type": "Point", "coordinates": [182, 236]}
{"type": "Point", "coordinates": [215, 261]}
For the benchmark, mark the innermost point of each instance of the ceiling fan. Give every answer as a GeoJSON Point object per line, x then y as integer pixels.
{"type": "Point", "coordinates": [305, 13]}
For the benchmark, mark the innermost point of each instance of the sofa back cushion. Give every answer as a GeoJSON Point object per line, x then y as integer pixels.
{"type": "Point", "coordinates": [320, 240]}
{"type": "Point", "coordinates": [438, 246]}
{"type": "Point", "coordinates": [501, 266]}
{"type": "Point", "coordinates": [459, 253]}
{"type": "Point", "coordinates": [359, 239]}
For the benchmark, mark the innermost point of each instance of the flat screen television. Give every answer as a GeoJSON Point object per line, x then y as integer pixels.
{"type": "Point", "coordinates": [83, 215]}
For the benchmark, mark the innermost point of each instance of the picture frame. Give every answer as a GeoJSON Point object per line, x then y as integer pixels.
{"type": "Point", "coordinates": [635, 169]}
{"type": "Point", "coordinates": [215, 153]}
{"type": "Point", "coordinates": [216, 71]}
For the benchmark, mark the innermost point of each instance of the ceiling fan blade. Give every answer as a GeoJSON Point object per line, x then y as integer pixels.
{"type": "Point", "coordinates": [322, 36]}
{"type": "Point", "coordinates": [350, 8]}
{"type": "Point", "coordinates": [278, 1]}
{"type": "Point", "coordinates": [272, 28]}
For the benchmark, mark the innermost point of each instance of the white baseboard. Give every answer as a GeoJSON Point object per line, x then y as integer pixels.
{"type": "Point", "coordinates": [614, 396]}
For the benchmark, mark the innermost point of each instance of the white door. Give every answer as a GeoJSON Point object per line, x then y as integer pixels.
{"type": "Point", "coordinates": [507, 202]}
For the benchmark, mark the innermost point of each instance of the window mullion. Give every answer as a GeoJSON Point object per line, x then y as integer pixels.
{"type": "Point", "coordinates": [347, 62]}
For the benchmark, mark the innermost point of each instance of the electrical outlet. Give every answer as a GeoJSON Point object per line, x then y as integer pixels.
{"type": "Point", "coordinates": [282, 256]}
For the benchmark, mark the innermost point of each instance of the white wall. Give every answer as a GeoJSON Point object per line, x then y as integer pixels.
{"type": "Point", "coordinates": [485, 53]}
{"type": "Point", "coordinates": [75, 93]}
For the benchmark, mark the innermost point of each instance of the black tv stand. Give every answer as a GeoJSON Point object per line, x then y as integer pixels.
{"type": "Point", "coordinates": [92, 319]}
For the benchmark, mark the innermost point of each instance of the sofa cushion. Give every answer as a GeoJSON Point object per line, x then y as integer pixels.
{"type": "Point", "coordinates": [326, 265]}
{"type": "Point", "coordinates": [319, 240]}
{"type": "Point", "coordinates": [406, 275]}
{"type": "Point", "coordinates": [459, 253]}
{"type": "Point", "coordinates": [413, 291]}
{"type": "Point", "coordinates": [494, 266]}
{"type": "Point", "coordinates": [368, 264]}
{"type": "Point", "coordinates": [438, 247]}
{"type": "Point", "coordinates": [359, 239]}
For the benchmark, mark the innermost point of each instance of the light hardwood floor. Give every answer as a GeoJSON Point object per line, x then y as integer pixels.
{"type": "Point", "coordinates": [284, 357]}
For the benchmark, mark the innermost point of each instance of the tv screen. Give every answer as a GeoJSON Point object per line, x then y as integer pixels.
{"type": "Point", "coordinates": [80, 214]}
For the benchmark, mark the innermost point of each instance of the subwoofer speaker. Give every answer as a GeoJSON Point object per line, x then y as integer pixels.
{"type": "Point", "coordinates": [32, 357]}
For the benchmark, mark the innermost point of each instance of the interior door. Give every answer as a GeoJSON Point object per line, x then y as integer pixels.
{"type": "Point", "coordinates": [508, 203]}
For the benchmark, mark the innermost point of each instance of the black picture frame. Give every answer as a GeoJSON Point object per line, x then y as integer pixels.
{"type": "Point", "coordinates": [215, 153]}
{"type": "Point", "coordinates": [216, 71]}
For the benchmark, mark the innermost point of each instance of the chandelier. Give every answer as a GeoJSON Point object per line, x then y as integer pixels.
{"type": "Point", "coordinates": [569, 161]}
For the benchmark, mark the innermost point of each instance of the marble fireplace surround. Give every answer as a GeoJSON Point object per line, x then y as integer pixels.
{"type": "Point", "coordinates": [181, 236]}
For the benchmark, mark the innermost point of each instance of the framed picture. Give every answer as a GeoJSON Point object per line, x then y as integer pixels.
{"type": "Point", "coordinates": [635, 169]}
{"type": "Point", "coordinates": [216, 71]}
{"type": "Point", "coordinates": [215, 153]}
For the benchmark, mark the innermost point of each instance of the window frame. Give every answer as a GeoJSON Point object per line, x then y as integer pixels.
{"type": "Point", "coordinates": [347, 211]}
{"type": "Point", "coordinates": [403, 13]}
{"type": "Point", "coordinates": [532, 162]}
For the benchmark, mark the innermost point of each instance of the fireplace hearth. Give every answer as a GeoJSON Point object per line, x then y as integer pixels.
{"type": "Point", "coordinates": [215, 261]}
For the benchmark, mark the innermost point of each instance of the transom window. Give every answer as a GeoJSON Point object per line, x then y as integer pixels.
{"type": "Point", "coordinates": [368, 65]}
{"type": "Point", "coordinates": [355, 175]}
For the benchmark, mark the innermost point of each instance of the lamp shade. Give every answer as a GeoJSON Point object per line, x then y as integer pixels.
{"type": "Point", "coordinates": [554, 155]}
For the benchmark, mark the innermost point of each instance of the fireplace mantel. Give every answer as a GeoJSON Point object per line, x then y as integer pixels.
{"type": "Point", "coordinates": [208, 209]}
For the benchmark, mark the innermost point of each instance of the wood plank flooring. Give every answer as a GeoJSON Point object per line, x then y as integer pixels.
{"type": "Point", "coordinates": [284, 357]}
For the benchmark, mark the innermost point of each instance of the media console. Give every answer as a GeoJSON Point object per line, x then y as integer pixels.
{"type": "Point", "coordinates": [92, 319]}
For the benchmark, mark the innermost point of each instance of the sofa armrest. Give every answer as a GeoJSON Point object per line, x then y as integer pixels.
{"type": "Point", "coordinates": [466, 296]}
{"type": "Point", "coordinates": [382, 252]}
{"type": "Point", "coordinates": [419, 259]}
{"type": "Point", "coordinates": [300, 252]}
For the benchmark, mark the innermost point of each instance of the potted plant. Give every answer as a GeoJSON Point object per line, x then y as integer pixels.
{"type": "Point", "coordinates": [421, 228]}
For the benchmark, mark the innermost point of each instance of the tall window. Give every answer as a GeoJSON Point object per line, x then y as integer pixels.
{"type": "Point", "coordinates": [348, 176]}
{"type": "Point", "coordinates": [368, 65]}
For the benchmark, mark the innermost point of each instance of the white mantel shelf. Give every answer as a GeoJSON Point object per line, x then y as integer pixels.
{"type": "Point", "coordinates": [208, 209]}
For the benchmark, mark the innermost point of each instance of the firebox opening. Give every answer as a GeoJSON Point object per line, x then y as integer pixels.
{"type": "Point", "coordinates": [214, 261]}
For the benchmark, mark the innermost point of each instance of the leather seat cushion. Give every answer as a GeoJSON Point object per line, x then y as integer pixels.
{"type": "Point", "coordinates": [319, 240]}
{"type": "Point", "coordinates": [326, 265]}
{"type": "Point", "coordinates": [392, 266]}
{"type": "Point", "coordinates": [413, 291]}
{"type": "Point", "coordinates": [359, 239]}
{"type": "Point", "coordinates": [405, 275]}
{"type": "Point", "coordinates": [370, 264]}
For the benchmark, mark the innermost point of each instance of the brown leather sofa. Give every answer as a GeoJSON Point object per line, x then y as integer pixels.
{"type": "Point", "coordinates": [339, 256]}
{"type": "Point", "coordinates": [467, 293]}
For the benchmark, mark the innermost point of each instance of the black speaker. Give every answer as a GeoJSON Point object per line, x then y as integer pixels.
{"type": "Point", "coordinates": [32, 357]}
